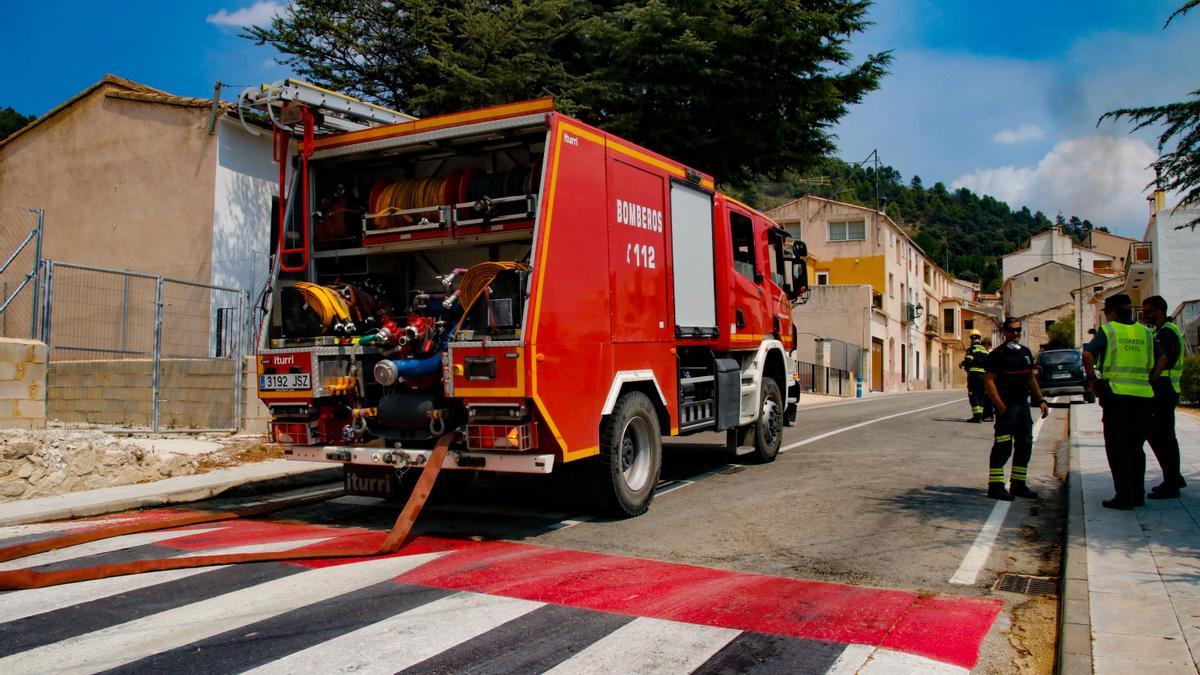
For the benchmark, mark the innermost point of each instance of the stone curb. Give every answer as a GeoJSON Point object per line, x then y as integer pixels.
{"type": "Point", "coordinates": [272, 475]}
{"type": "Point", "coordinates": [1074, 607]}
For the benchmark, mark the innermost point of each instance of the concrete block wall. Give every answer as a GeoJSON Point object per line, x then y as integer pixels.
{"type": "Point", "coordinates": [193, 393]}
{"type": "Point", "coordinates": [22, 384]}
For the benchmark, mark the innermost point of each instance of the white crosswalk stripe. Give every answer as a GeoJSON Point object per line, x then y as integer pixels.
{"type": "Point", "coordinates": [406, 639]}
{"type": "Point", "coordinates": [888, 662]}
{"type": "Point", "coordinates": [649, 646]}
{"type": "Point", "coordinates": [20, 604]}
{"type": "Point", "coordinates": [57, 527]}
{"type": "Point", "coordinates": [102, 546]}
{"type": "Point", "coordinates": [444, 628]}
{"type": "Point", "coordinates": [127, 642]}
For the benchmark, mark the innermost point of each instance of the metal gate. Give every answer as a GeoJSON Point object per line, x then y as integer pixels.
{"type": "Point", "coordinates": [20, 256]}
{"type": "Point", "coordinates": [138, 352]}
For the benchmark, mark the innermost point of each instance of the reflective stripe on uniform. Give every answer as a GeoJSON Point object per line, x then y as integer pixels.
{"type": "Point", "coordinates": [1004, 439]}
{"type": "Point", "coordinates": [1176, 371]}
{"type": "Point", "coordinates": [996, 475]}
{"type": "Point", "coordinates": [1019, 472]}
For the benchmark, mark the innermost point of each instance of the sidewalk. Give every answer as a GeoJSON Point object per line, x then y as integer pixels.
{"type": "Point", "coordinates": [1142, 578]}
{"type": "Point", "coordinates": [273, 474]}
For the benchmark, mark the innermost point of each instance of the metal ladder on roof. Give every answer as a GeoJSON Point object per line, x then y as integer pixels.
{"type": "Point", "coordinates": [283, 101]}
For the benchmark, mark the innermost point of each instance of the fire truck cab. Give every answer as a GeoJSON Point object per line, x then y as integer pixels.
{"type": "Point", "coordinates": [561, 296]}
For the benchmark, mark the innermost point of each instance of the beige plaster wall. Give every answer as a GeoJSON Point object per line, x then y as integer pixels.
{"type": "Point", "coordinates": [125, 184]}
{"type": "Point", "coordinates": [1042, 288]}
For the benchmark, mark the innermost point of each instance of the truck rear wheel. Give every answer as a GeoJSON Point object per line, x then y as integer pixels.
{"type": "Point", "coordinates": [621, 479]}
{"type": "Point", "coordinates": [767, 431]}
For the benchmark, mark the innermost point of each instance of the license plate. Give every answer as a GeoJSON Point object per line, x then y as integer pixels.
{"type": "Point", "coordinates": [285, 382]}
{"type": "Point", "coordinates": [1059, 376]}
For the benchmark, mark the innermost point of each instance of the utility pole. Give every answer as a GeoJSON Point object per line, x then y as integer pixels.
{"type": "Point", "coordinates": [1079, 313]}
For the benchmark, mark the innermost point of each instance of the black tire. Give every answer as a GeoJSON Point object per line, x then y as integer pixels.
{"type": "Point", "coordinates": [767, 431]}
{"type": "Point", "coordinates": [620, 480]}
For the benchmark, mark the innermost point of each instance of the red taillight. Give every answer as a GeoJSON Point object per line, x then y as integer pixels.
{"type": "Point", "coordinates": [515, 437]}
{"type": "Point", "coordinates": [290, 433]}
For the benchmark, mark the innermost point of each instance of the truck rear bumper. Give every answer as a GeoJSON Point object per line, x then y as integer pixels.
{"type": "Point", "coordinates": [482, 461]}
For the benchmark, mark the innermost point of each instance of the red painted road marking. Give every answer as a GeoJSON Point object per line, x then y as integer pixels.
{"type": "Point", "coordinates": [948, 629]}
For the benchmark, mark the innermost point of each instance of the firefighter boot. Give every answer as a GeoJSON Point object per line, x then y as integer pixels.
{"type": "Point", "coordinates": [1018, 488]}
{"type": "Point", "coordinates": [997, 491]}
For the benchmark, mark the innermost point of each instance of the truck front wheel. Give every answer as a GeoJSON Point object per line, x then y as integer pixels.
{"type": "Point", "coordinates": [768, 430]}
{"type": "Point", "coordinates": [621, 479]}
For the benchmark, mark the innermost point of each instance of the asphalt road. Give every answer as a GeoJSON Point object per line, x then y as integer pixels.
{"type": "Point", "coordinates": [884, 494]}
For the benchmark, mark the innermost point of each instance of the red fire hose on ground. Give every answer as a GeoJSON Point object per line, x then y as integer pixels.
{"type": "Point", "coordinates": [396, 539]}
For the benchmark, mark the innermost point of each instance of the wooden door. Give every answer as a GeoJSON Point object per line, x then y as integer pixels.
{"type": "Point", "coordinates": [876, 365]}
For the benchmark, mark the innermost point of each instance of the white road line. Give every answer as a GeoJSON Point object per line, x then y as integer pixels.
{"type": "Point", "coordinates": [647, 646]}
{"type": "Point", "coordinates": [868, 399]}
{"type": "Point", "coordinates": [101, 546]}
{"type": "Point", "coordinates": [20, 604]}
{"type": "Point", "coordinates": [571, 522]}
{"type": "Point", "coordinates": [818, 437]}
{"type": "Point", "coordinates": [406, 639]}
{"type": "Point", "coordinates": [981, 549]}
{"type": "Point", "coordinates": [133, 640]}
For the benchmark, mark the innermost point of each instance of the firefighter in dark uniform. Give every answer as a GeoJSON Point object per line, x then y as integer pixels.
{"type": "Point", "coordinates": [989, 410]}
{"type": "Point", "coordinates": [1169, 340]}
{"type": "Point", "coordinates": [1010, 382]}
{"type": "Point", "coordinates": [1128, 360]}
{"type": "Point", "coordinates": [975, 364]}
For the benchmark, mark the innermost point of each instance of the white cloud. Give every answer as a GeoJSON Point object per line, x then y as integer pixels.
{"type": "Point", "coordinates": [258, 14]}
{"type": "Point", "coordinates": [1100, 178]}
{"type": "Point", "coordinates": [1025, 132]}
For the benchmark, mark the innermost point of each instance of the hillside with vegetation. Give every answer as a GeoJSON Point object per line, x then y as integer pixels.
{"type": "Point", "coordinates": [964, 232]}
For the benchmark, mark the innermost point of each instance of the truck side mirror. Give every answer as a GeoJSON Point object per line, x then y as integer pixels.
{"type": "Point", "coordinates": [799, 249]}
{"type": "Point", "coordinates": [799, 280]}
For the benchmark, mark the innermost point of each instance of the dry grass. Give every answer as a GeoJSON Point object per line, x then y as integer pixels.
{"type": "Point", "coordinates": [235, 455]}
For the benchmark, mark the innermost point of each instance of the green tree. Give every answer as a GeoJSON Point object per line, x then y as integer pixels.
{"type": "Point", "coordinates": [1179, 136]}
{"type": "Point", "coordinates": [11, 120]}
{"type": "Point", "coordinates": [737, 87]}
{"type": "Point", "coordinates": [1062, 333]}
{"type": "Point", "coordinates": [1189, 382]}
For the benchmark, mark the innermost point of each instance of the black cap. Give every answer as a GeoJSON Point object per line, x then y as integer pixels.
{"type": "Point", "coordinates": [1117, 301]}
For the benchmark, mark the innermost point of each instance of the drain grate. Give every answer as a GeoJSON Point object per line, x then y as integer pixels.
{"type": "Point", "coordinates": [1027, 585]}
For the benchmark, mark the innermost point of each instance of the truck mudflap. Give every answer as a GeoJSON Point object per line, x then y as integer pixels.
{"type": "Point", "coordinates": [455, 459]}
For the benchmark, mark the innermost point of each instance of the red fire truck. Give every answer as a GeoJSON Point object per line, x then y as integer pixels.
{"type": "Point", "coordinates": [564, 297]}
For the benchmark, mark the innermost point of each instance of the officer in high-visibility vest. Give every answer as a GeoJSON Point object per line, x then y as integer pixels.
{"type": "Point", "coordinates": [1162, 438]}
{"type": "Point", "coordinates": [1124, 351]}
{"type": "Point", "coordinates": [1010, 382]}
{"type": "Point", "coordinates": [975, 364]}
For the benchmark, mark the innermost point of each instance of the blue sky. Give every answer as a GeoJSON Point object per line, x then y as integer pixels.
{"type": "Point", "coordinates": [1001, 97]}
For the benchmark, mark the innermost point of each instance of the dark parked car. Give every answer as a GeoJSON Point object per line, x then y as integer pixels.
{"type": "Point", "coordinates": [1060, 371]}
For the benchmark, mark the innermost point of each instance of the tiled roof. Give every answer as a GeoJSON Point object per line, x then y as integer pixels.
{"type": "Point", "coordinates": [118, 87]}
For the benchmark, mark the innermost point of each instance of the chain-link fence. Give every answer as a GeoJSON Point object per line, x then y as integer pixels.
{"type": "Point", "coordinates": [20, 252]}
{"type": "Point", "coordinates": [137, 351]}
